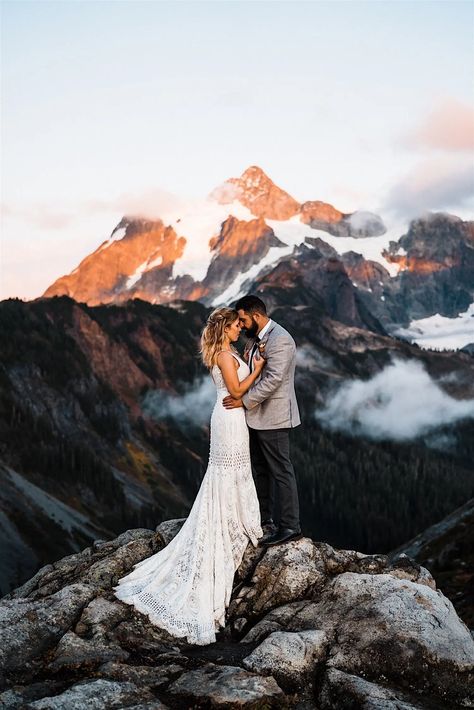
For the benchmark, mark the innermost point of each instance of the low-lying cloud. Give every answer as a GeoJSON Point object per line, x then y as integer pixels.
{"type": "Point", "coordinates": [309, 358]}
{"type": "Point", "coordinates": [401, 403]}
{"type": "Point", "coordinates": [194, 407]}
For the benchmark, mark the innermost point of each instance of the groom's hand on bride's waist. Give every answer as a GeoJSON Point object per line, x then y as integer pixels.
{"type": "Point", "coordinates": [230, 403]}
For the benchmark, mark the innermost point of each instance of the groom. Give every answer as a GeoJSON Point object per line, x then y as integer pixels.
{"type": "Point", "coordinates": [271, 411]}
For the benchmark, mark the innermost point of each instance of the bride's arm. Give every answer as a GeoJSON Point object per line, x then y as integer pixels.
{"type": "Point", "coordinates": [228, 366]}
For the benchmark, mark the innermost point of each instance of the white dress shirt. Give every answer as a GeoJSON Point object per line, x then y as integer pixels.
{"type": "Point", "coordinates": [260, 335]}
{"type": "Point", "coordinates": [262, 332]}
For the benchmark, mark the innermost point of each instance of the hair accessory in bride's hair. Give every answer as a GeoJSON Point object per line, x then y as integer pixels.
{"type": "Point", "coordinates": [215, 318]}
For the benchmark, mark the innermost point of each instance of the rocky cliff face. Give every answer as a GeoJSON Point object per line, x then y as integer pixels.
{"type": "Point", "coordinates": [237, 248]}
{"type": "Point", "coordinates": [315, 275]}
{"type": "Point", "coordinates": [308, 626]}
{"type": "Point", "coordinates": [436, 259]}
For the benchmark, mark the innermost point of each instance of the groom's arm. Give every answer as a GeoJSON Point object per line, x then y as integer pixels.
{"type": "Point", "coordinates": [279, 358]}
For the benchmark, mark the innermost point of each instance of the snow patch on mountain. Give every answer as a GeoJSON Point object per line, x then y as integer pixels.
{"type": "Point", "coordinates": [198, 223]}
{"type": "Point", "coordinates": [138, 273]}
{"type": "Point", "coordinates": [294, 232]}
{"type": "Point", "coordinates": [116, 236]}
{"type": "Point", "coordinates": [238, 287]}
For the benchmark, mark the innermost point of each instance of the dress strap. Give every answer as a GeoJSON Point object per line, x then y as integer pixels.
{"type": "Point", "coordinates": [229, 351]}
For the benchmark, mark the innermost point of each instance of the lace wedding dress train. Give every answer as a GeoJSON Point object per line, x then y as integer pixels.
{"type": "Point", "coordinates": [185, 588]}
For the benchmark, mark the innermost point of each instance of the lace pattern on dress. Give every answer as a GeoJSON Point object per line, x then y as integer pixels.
{"type": "Point", "coordinates": [185, 588]}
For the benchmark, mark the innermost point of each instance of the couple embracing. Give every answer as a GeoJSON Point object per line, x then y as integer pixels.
{"type": "Point", "coordinates": [186, 587]}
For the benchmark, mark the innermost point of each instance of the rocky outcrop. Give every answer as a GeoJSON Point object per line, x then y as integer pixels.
{"type": "Point", "coordinates": [447, 550]}
{"type": "Point", "coordinates": [436, 259]}
{"type": "Point", "coordinates": [321, 215]}
{"type": "Point", "coordinates": [308, 626]}
{"type": "Point", "coordinates": [315, 275]}
{"type": "Point", "coordinates": [236, 249]}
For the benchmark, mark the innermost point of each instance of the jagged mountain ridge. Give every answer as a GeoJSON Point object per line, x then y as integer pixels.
{"type": "Point", "coordinates": [143, 258]}
{"type": "Point", "coordinates": [410, 273]}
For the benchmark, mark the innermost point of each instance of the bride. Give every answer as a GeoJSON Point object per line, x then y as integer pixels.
{"type": "Point", "coordinates": [185, 588]}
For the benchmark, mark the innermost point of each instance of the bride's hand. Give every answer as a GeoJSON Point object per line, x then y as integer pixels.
{"type": "Point", "coordinates": [258, 363]}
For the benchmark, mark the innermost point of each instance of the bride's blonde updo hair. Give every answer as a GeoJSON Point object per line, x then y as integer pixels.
{"type": "Point", "coordinates": [213, 335]}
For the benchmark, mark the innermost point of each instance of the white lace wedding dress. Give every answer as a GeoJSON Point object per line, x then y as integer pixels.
{"type": "Point", "coordinates": [185, 588]}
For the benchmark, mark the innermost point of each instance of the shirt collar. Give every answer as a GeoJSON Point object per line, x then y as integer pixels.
{"type": "Point", "coordinates": [264, 329]}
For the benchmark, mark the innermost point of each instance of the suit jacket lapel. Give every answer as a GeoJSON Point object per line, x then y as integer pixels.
{"type": "Point", "coordinates": [273, 324]}
{"type": "Point", "coordinates": [251, 342]}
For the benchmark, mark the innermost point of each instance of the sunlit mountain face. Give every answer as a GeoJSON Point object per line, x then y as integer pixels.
{"type": "Point", "coordinates": [249, 232]}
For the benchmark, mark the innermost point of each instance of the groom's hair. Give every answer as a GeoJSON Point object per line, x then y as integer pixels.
{"type": "Point", "coordinates": [251, 304]}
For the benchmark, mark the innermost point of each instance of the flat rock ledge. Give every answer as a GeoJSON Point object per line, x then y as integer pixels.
{"type": "Point", "coordinates": [309, 626]}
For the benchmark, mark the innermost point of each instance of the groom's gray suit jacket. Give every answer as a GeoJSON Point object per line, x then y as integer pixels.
{"type": "Point", "coordinates": [271, 402]}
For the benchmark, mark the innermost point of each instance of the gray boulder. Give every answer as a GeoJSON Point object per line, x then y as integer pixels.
{"type": "Point", "coordinates": [309, 626]}
{"type": "Point", "coordinates": [226, 686]}
{"type": "Point", "coordinates": [289, 656]}
{"type": "Point", "coordinates": [98, 694]}
{"type": "Point", "coordinates": [29, 629]}
{"type": "Point", "coordinates": [343, 691]}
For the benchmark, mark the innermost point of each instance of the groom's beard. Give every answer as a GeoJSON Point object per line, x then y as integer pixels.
{"type": "Point", "coordinates": [252, 331]}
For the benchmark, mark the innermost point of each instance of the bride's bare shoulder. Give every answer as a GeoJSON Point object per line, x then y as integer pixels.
{"type": "Point", "coordinates": [225, 356]}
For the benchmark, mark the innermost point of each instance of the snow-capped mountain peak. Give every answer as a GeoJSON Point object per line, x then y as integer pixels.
{"type": "Point", "coordinates": [217, 248]}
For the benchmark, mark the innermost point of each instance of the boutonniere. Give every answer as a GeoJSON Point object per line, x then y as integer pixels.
{"type": "Point", "coordinates": [261, 347]}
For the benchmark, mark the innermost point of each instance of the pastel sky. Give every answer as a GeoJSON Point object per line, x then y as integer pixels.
{"type": "Point", "coordinates": [111, 108]}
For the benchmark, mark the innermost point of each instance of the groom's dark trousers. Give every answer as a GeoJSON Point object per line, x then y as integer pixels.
{"type": "Point", "coordinates": [271, 466]}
